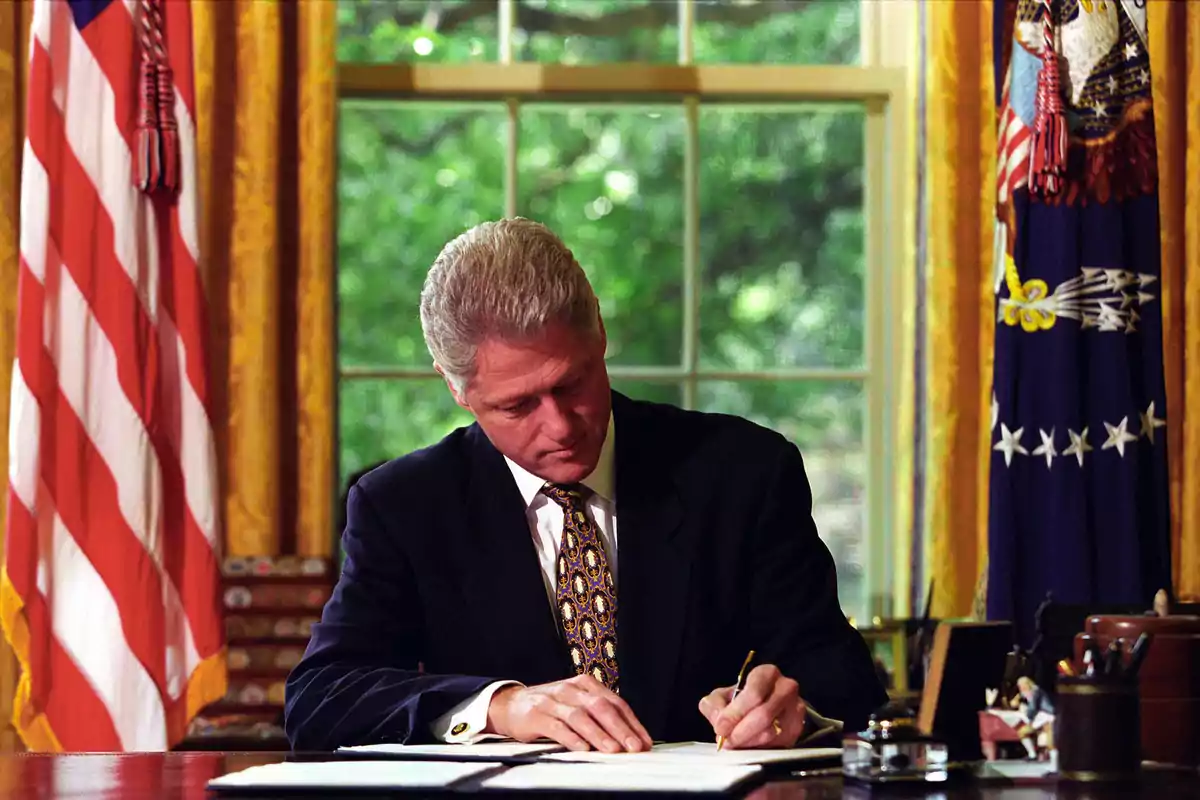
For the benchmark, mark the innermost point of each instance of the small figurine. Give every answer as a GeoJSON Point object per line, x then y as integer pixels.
{"type": "Point", "coordinates": [1026, 717]}
{"type": "Point", "coordinates": [1037, 718]}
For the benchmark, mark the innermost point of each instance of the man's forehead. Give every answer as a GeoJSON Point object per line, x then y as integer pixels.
{"type": "Point", "coordinates": [498, 388]}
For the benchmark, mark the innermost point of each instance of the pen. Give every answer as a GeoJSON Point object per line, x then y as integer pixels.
{"type": "Point", "coordinates": [1137, 654]}
{"type": "Point", "coordinates": [741, 684]}
{"type": "Point", "coordinates": [1089, 662]}
{"type": "Point", "coordinates": [1112, 658]}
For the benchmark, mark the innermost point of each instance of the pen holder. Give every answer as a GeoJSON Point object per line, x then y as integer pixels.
{"type": "Point", "coordinates": [1097, 729]}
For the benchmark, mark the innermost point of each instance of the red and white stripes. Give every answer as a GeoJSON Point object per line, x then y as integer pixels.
{"type": "Point", "coordinates": [110, 585]}
{"type": "Point", "coordinates": [1012, 149]}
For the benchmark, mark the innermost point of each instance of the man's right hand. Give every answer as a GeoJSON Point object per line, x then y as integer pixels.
{"type": "Point", "coordinates": [579, 713]}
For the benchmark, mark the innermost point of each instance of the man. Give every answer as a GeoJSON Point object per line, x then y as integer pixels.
{"type": "Point", "coordinates": [488, 589]}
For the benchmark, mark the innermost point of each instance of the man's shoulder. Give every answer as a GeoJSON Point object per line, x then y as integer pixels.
{"type": "Point", "coordinates": [705, 432]}
{"type": "Point", "coordinates": [427, 469]}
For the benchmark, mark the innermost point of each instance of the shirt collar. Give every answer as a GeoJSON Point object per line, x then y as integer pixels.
{"type": "Point", "coordinates": [599, 481]}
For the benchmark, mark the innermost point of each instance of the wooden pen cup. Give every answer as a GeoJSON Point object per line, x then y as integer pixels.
{"type": "Point", "coordinates": [1168, 681]}
{"type": "Point", "coordinates": [1097, 729]}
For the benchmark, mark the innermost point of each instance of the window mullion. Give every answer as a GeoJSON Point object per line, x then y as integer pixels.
{"type": "Point", "coordinates": [513, 107]}
{"type": "Point", "coordinates": [691, 249]}
{"type": "Point", "coordinates": [505, 25]}
{"type": "Point", "coordinates": [877, 566]}
{"type": "Point", "coordinates": [687, 24]}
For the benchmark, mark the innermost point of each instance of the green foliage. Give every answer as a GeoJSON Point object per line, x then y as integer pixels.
{"type": "Point", "coordinates": [781, 252]}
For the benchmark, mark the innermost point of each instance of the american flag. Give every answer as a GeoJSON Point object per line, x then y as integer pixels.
{"type": "Point", "coordinates": [109, 592]}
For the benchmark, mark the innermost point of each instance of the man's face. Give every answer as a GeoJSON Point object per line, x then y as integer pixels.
{"type": "Point", "coordinates": [544, 402]}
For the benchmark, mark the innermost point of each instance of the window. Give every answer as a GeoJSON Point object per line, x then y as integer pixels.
{"type": "Point", "coordinates": [721, 170]}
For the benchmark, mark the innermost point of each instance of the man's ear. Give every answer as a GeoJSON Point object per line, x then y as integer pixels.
{"type": "Point", "coordinates": [458, 398]}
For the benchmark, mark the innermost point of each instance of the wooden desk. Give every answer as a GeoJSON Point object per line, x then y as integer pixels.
{"type": "Point", "coordinates": [182, 776]}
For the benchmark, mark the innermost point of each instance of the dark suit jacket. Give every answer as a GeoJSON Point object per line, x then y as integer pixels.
{"type": "Point", "coordinates": [717, 554]}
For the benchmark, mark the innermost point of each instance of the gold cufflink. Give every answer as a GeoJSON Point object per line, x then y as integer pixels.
{"type": "Point", "coordinates": [458, 729]}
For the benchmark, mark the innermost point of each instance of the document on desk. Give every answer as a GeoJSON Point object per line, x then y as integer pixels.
{"type": "Point", "coordinates": [626, 776]}
{"type": "Point", "coordinates": [701, 753]}
{"type": "Point", "coordinates": [455, 752]}
{"type": "Point", "coordinates": [338, 775]}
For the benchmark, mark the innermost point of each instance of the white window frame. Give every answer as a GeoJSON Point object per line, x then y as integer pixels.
{"type": "Point", "coordinates": [879, 84]}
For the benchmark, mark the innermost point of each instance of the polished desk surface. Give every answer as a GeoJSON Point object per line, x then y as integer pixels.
{"type": "Point", "coordinates": [183, 776]}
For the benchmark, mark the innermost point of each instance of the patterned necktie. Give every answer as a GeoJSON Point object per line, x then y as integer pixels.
{"type": "Point", "coordinates": [585, 594]}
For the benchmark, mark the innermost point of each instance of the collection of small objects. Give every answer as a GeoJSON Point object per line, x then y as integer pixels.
{"type": "Point", "coordinates": [1123, 698]}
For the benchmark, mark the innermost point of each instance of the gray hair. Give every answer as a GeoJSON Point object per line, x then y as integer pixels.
{"type": "Point", "coordinates": [509, 279]}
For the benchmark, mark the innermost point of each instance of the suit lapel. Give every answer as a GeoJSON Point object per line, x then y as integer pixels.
{"type": "Point", "coordinates": [505, 578]}
{"type": "Point", "coordinates": [653, 566]}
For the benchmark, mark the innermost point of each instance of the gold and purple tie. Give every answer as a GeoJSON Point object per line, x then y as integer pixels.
{"type": "Point", "coordinates": [585, 593]}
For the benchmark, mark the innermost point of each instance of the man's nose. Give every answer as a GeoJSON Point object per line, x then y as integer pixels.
{"type": "Point", "coordinates": [558, 420]}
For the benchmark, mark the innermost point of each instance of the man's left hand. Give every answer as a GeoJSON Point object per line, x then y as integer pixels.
{"type": "Point", "coordinates": [767, 713]}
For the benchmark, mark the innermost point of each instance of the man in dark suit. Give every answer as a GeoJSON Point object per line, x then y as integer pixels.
{"type": "Point", "coordinates": [486, 591]}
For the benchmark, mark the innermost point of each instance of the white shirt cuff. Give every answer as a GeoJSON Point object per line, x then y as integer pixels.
{"type": "Point", "coordinates": [464, 723]}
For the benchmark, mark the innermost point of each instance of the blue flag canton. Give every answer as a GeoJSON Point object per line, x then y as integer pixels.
{"type": "Point", "coordinates": [85, 11]}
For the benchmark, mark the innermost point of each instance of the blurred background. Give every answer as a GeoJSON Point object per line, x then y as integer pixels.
{"type": "Point", "coordinates": [767, 318]}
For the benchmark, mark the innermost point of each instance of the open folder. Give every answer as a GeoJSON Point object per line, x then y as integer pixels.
{"type": "Point", "coordinates": [504, 751]}
{"type": "Point", "coordinates": [391, 776]}
{"type": "Point", "coordinates": [670, 753]}
{"type": "Point", "coordinates": [696, 753]}
{"type": "Point", "coordinates": [340, 776]}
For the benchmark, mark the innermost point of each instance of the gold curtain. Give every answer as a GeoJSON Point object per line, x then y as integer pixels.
{"type": "Point", "coordinates": [14, 39]}
{"type": "Point", "coordinates": [961, 158]}
{"type": "Point", "coordinates": [1174, 37]}
{"type": "Point", "coordinates": [266, 100]}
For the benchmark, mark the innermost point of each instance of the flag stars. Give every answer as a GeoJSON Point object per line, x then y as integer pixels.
{"type": "Point", "coordinates": [1131, 51]}
{"type": "Point", "coordinates": [1079, 446]}
{"type": "Point", "coordinates": [1010, 442]}
{"type": "Point", "coordinates": [1113, 86]}
{"type": "Point", "coordinates": [1143, 76]}
{"type": "Point", "coordinates": [995, 410]}
{"type": "Point", "coordinates": [1150, 422]}
{"type": "Point", "coordinates": [1118, 436]}
{"type": "Point", "coordinates": [1046, 448]}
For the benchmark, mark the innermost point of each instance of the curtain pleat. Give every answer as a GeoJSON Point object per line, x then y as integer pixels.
{"type": "Point", "coordinates": [961, 158]}
{"type": "Point", "coordinates": [1173, 30]}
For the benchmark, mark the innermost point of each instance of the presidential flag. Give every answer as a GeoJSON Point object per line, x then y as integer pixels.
{"type": "Point", "coordinates": [1078, 482]}
{"type": "Point", "coordinates": [109, 590]}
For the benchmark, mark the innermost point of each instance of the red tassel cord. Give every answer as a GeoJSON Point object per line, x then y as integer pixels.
{"type": "Point", "coordinates": [168, 129]}
{"type": "Point", "coordinates": [157, 156]}
{"type": "Point", "coordinates": [1048, 151]}
{"type": "Point", "coordinates": [146, 155]}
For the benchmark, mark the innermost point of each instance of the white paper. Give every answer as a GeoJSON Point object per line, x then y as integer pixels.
{"type": "Point", "coordinates": [352, 775]}
{"type": "Point", "coordinates": [627, 776]}
{"type": "Point", "coordinates": [700, 753]}
{"type": "Point", "coordinates": [481, 750]}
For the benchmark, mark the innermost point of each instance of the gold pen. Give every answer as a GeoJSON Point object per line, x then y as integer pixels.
{"type": "Point", "coordinates": [741, 684]}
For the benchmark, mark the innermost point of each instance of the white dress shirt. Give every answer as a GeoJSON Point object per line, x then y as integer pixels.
{"type": "Point", "coordinates": [464, 723]}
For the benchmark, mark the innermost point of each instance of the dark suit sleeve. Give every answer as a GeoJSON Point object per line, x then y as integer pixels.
{"type": "Point", "coordinates": [794, 604]}
{"type": "Point", "coordinates": [358, 682]}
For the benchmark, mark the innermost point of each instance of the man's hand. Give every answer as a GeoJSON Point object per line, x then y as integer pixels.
{"type": "Point", "coordinates": [767, 713]}
{"type": "Point", "coordinates": [578, 713]}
